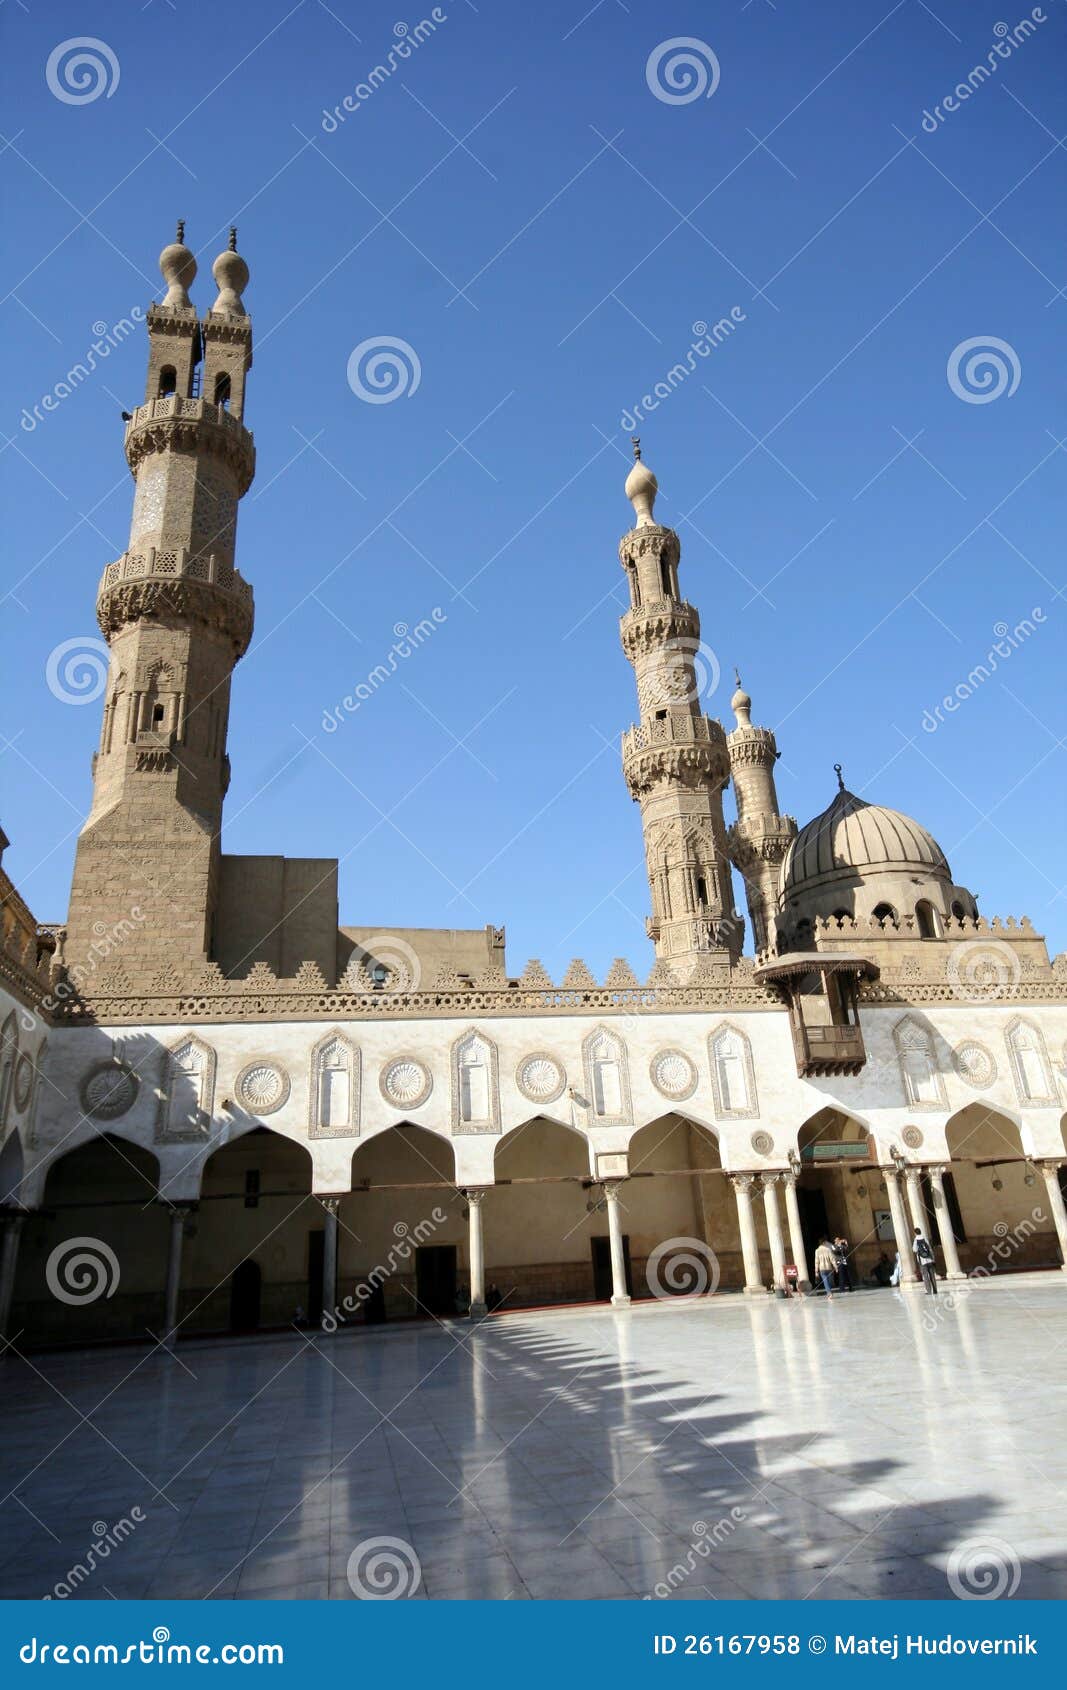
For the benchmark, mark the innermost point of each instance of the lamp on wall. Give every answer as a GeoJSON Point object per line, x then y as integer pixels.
{"type": "Point", "coordinates": [899, 1161]}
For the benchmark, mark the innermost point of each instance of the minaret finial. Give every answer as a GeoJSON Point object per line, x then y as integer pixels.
{"type": "Point", "coordinates": [641, 488]}
{"type": "Point", "coordinates": [180, 236]}
{"type": "Point", "coordinates": [737, 675]}
{"type": "Point", "coordinates": [231, 273]}
{"type": "Point", "coordinates": [233, 237]}
{"type": "Point", "coordinates": [741, 704]}
{"type": "Point", "coordinates": [178, 267]}
{"type": "Point", "coordinates": [840, 777]}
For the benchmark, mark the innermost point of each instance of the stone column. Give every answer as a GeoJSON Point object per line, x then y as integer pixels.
{"type": "Point", "coordinates": [774, 1229]}
{"type": "Point", "coordinates": [11, 1222]}
{"type": "Point", "coordinates": [620, 1297]}
{"type": "Point", "coordinates": [944, 1224]}
{"type": "Point", "coordinates": [477, 1250]}
{"type": "Point", "coordinates": [915, 1201]}
{"type": "Point", "coordinates": [742, 1184]}
{"type": "Point", "coordinates": [1051, 1174]}
{"type": "Point", "coordinates": [172, 1291]}
{"type": "Point", "coordinates": [330, 1207]}
{"type": "Point", "coordinates": [796, 1235]}
{"type": "Point", "coordinates": [909, 1273]}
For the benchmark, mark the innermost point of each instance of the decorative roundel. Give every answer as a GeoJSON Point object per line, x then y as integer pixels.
{"type": "Point", "coordinates": [762, 1143]}
{"type": "Point", "coordinates": [23, 1081]}
{"type": "Point", "coordinates": [540, 1078]}
{"type": "Point", "coordinates": [405, 1083]}
{"type": "Point", "coordinates": [912, 1137]}
{"type": "Point", "coordinates": [673, 1074]}
{"type": "Point", "coordinates": [262, 1087]}
{"type": "Point", "coordinates": [109, 1090]}
{"type": "Point", "coordinates": [975, 1064]}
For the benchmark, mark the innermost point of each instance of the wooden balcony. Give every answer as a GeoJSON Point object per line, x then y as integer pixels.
{"type": "Point", "coordinates": [828, 1050]}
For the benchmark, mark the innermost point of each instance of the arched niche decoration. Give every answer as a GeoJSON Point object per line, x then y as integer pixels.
{"type": "Point", "coordinates": [924, 1086]}
{"type": "Point", "coordinates": [334, 1087]}
{"type": "Point", "coordinates": [607, 1079]}
{"type": "Point", "coordinates": [733, 1078]}
{"type": "Point", "coordinates": [187, 1093]}
{"type": "Point", "coordinates": [475, 1084]}
{"type": "Point", "coordinates": [1030, 1067]}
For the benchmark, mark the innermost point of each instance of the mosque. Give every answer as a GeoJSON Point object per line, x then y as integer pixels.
{"type": "Point", "coordinates": [222, 1110]}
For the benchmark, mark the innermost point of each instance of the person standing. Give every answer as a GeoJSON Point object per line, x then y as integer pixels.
{"type": "Point", "coordinates": [924, 1257]}
{"type": "Point", "coordinates": [844, 1276]}
{"type": "Point", "coordinates": [825, 1264]}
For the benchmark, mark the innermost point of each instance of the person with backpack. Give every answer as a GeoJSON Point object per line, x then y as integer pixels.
{"type": "Point", "coordinates": [844, 1275]}
{"type": "Point", "coordinates": [924, 1257]}
{"type": "Point", "coordinates": [825, 1266]}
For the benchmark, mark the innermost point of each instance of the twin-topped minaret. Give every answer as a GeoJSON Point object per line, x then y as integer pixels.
{"type": "Point", "coordinates": [760, 838]}
{"type": "Point", "coordinates": [675, 760]}
{"type": "Point", "coordinates": [177, 616]}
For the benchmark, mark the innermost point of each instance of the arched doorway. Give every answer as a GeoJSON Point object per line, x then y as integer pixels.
{"type": "Point", "coordinates": [254, 1248]}
{"type": "Point", "coordinates": [678, 1192]}
{"type": "Point", "coordinates": [402, 1251]}
{"type": "Point", "coordinates": [994, 1186]}
{"type": "Point", "coordinates": [841, 1191]}
{"type": "Point", "coordinates": [92, 1259]}
{"type": "Point", "coordinates": [541, 1217]}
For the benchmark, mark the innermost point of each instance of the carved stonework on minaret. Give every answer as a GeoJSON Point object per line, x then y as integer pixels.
{"type": "Point", "coordinates": [177, 616]}
{"type": "Point", "coordinates": [675, 758]}
{"type": "Point", "coordinates": [759, 839]}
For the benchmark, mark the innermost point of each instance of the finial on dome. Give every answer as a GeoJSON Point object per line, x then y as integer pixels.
{"type": "Point", "coordinates": [178, 267]}
{"type": "Point", "coordinates": [231, 273]}
{"type": "Point", "coordinates": [641, 488]}
{"type": "Point", "coordinates": [840, 777]}
{"type": "Point", "coordinates": [741, 703]}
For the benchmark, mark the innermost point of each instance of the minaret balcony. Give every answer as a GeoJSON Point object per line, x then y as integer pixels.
{"type": "Point", "coordinates": [678, 747]}
{"type": "Point", "coordinates": [648, 627]}
{"type": "Point", "coordinates": [180, 583]}
{"type": "Point", "coordinates": [190, 425]}
{"type": "Point", "coordinates": [760, 839]}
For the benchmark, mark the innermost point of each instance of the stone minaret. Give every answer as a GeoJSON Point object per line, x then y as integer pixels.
{"type": "Point", "coordinates": [675, 759]}
{"type": "Point", "coordinates": [760, 837]}
{"type": "Point", "coordinates": [177, 616]}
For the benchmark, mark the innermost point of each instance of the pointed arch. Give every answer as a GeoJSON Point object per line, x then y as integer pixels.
{"type": "Point", "coordinates": [187, 1091]}
{"type": "Point", "coordinates": [34, 1112]}
{"type": "Point", "coordinates": [334, 1087]}
{"type": "Point", "coordinates": [674, 1143]}
{"type": "Point", "coordinates": [733, 1077]}
{"type": "Point", "coordinates": [475, 1084]}
{"type": "Point", "coordinates": [607, 1078]}
{"type": "Point", "coordinates": [924, 1086]}
{"type": "Point", "coordinates": [1030, 1066]}
{"type": "Point", "coordinates": [403, 1155]}
{"type": "Point", "coordinates": [9, 1051]}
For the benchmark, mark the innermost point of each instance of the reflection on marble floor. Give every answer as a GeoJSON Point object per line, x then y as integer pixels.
{"type": "Point", "coordinates": [868, 1448]}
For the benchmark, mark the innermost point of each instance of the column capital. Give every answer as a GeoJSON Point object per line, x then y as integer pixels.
{"type": "Point", "coordinates": [742, 1181]}
{"type": "Point", "coordinates": [610, 1188]}
{"type": "Point", "coordinates": [475, 1193]}
{"type": "Point", "coordinates": [330, 1200]}
{"type": "Point", "coordinates": [789, 1176]}
{"type": "Point", "coordinates": [772, 1176]}
{"type": "Point", "coordinates": [183, 1206]}
{"type": "Point", "coordinates": [1049, 1164]}
{"type": "Point", "coordinates": [936, 1170]}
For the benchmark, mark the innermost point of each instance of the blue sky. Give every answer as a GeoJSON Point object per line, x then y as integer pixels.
{"type": "Point", "coordinates": [543, 230]}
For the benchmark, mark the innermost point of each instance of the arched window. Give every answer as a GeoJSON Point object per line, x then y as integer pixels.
{"type": "Point", "coordinates": [884, 913]}
{"type": "Point", "coordinates": [928, 920]}
{"type": "Point", "coordinates": [333, 1092]}
{"type": "Point", "coordinates": [606, 1078]}
{"type": "Point", "coordinates": [9, 1050]}
{"type": "Point", "coordinates": [635, 584]}
{"type": "Point", "coordinates": [665, 578]}
{"type": "Point", "coordinates": [222, 389]}
{"type": "Point", "coordinates": [732, 1078]}
{"type": "Point", "coordinates": [168, 381]}
{"type": "Point", "coordinates": [475, 1101]}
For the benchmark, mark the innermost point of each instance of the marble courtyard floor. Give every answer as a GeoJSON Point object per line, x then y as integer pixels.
{"type": "Point", "coordinates": [879, 1446]}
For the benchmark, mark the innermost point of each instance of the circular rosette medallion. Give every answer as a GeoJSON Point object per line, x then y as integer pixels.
{"type": "Point", "coordinates": [975, 1064]}
{"type": "Point", "coordinates": [673, 1074]}
{"type": "Point", "coordinates": [405, 1083]}
{"type": "Point", "coordinates": [912, 1137]}
{"type": "Point", "coordinates": [109, 1090]}
{"type": "Point", "coordinates": [262, 1087]}
{"type": "Point", "coordinates": [540, 1078]}
{"type": "Point", "coordinates": [762, 1143]}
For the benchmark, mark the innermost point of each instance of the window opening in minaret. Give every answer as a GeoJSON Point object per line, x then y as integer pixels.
{"type": "Point", "coordinates": [222, 390]}
{"type": "Point", "coordinates": [884, 912]}
{"type": "Point", "coordinates": [168, 381]}
{"type": "Point", "coordinates": [702, 891]}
